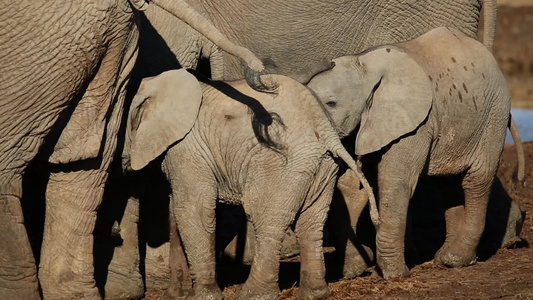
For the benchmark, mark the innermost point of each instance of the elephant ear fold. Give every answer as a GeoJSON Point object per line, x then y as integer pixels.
{"type": "Point", "coordinates": [163, 111]}
{"type": "Point", "coordinates": [401, 99]}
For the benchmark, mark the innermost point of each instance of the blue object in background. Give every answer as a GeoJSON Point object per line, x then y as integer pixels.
{"type": "Point", "coordinates": [523, 118]}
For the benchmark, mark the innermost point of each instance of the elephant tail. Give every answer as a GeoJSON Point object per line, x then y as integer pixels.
{"type": "Point", "coordinates": [187, 14]}
{"type": "Point", "coordinates": [347, 158]}
{"type": "Point", "coordinates": [520, 173]}
{"type": "Point", "coordinates": [490, 8]}
{"type": "Point", "coordinates": [334, 145]}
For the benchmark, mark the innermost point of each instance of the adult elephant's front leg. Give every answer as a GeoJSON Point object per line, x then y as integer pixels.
{"type": "Point", "coordinates": [18, 278]}
{"type": "Point", "coordinates": [66, 267]}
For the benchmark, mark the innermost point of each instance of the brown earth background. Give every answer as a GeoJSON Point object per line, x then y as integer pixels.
{"type": "Point", "coordinates": [508, 274]}
{"type": "Point", "coordinates": [513, 48]}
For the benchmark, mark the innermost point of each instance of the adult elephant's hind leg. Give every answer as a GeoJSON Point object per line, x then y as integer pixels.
{"type": "Point", "coordinates": [18, 278]}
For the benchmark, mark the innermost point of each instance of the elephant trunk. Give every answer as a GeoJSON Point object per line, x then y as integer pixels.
{"type": "Point", "coordinates": [489, 24]}
{"type": "Point", "coordinates": [183, 11]}
{"type": "Point", "coordinates": [334, 145]}
{"type": "Point", "coordinates": [305, 75]}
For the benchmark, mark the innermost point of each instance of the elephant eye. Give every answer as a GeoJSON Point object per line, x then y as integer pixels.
{"type": "Point", "coordinates": [331, 102]}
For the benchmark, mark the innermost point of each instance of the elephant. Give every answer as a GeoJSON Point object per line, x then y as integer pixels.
{"type": "Point", "coordinates": [299, 33]}
{"type": "Point", "coordinates": [437, 105]}
{"type": "Point", "coordinates": [272, 151]}
{"type": "Point", "coordinates": [293, 35]}
{"type": "Point", "coordinates": [64, 70]}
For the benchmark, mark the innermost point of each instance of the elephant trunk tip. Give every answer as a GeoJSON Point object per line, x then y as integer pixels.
{"type": "Point", "coordinates": [256, 82]}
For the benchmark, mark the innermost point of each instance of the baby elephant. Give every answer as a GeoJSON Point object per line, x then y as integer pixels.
{"type": "Point", "coordinates": [271, 152]}
{"type": "Point", "coordinates": [435, 105]}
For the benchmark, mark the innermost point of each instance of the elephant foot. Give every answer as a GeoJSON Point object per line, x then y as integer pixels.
{"type": "Point", "coordinates": [176, 292]}
{"type": "Point", "coordinates": [61, 292]}
{"type": "Point", "coordinates": [391, 270]}
{"type": "Point", "coordinates": [458, 256]}
{"type": "Point", "coordinates": [355, 263]}
{"type": "Point", "coordinates": [206, 292]}
{"type": "Point", "coordinates": [120, 286]}
{"type": "Point", "coordinates": [305, 292]}
{"type": "Point", "coordinates": [245, 293]}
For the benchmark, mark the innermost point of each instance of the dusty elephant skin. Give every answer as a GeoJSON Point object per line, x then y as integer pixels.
{"type": "Point", "coordinates": [297, 33]}
{"type": "Point", "coordinates": [78, 73]}
{"type": "Point", "coordinates": [63, 95]}
{"type": "Point", "coordinates": [270, 152]}
{"type": "Point", "coordinates": [436, 105]}
{"type": "Point", "coordinates": [324, 29]}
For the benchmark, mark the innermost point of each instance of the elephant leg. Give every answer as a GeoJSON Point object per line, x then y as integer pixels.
{"type": "Point", "coordinates": [271, 211]}
{"type": "Point", "coordinates": [124, 280]}
{"type": "Point", "coordinates": [346, 207]}
{"type": "Point", "coordinates": [75, 188]}
{"type": "Point", "coordinates": [309, 232]}
{"type": "Point", "coordinates": [398, 174]}
{"type": "Point", "coordinates": [66, 267]}
{"type": "Point", "coordinates": [180, 278]}
{"type": "Point", "coordinates": [470, 222]}
{"type": "Point", "coordinates": [18, 274]}
{"type": "Point", "coordinates": [193, 203]}
{"type": "Point", "coordinates": [452, 192]}
{"type": "Point", "coordinates": [236, 251]}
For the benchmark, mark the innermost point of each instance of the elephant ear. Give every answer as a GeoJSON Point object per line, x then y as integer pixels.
{"type": "Point", "coordinates": [401, 101]}
{"type": "Point", "coordinates": [163, 111]}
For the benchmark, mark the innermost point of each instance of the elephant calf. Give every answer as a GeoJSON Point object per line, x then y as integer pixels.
{"type": "Point", "coordinates": [271, 152]}
{"type": "Point", "coordinates": [435, 105]}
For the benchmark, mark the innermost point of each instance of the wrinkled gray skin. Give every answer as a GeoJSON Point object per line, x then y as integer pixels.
{"type": "Point", "coordinates": [215, 153]}
{"type": "Point", "coordinates": [298, 33]}
{"type": "Point", "coordinates": [64, 69]}
{"type": "Point", "coordinates": [319, 29]}
{"type": "Point", "coordinates": [436, 105]}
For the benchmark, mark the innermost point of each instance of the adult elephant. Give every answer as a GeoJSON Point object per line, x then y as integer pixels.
{"type": "Point", "coordinates": [297, 33]}
{"type": "Point", "coordinates": [64, 69]}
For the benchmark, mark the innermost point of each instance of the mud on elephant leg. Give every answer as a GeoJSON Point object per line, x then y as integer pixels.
{"type": "Point", "coordinates": [18, 279]}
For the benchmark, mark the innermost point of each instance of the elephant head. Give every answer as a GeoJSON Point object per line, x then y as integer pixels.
{"type": "Point", "coordinates": [382, 90]}
{"type": "Point", "coordinates": [163, 111]}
